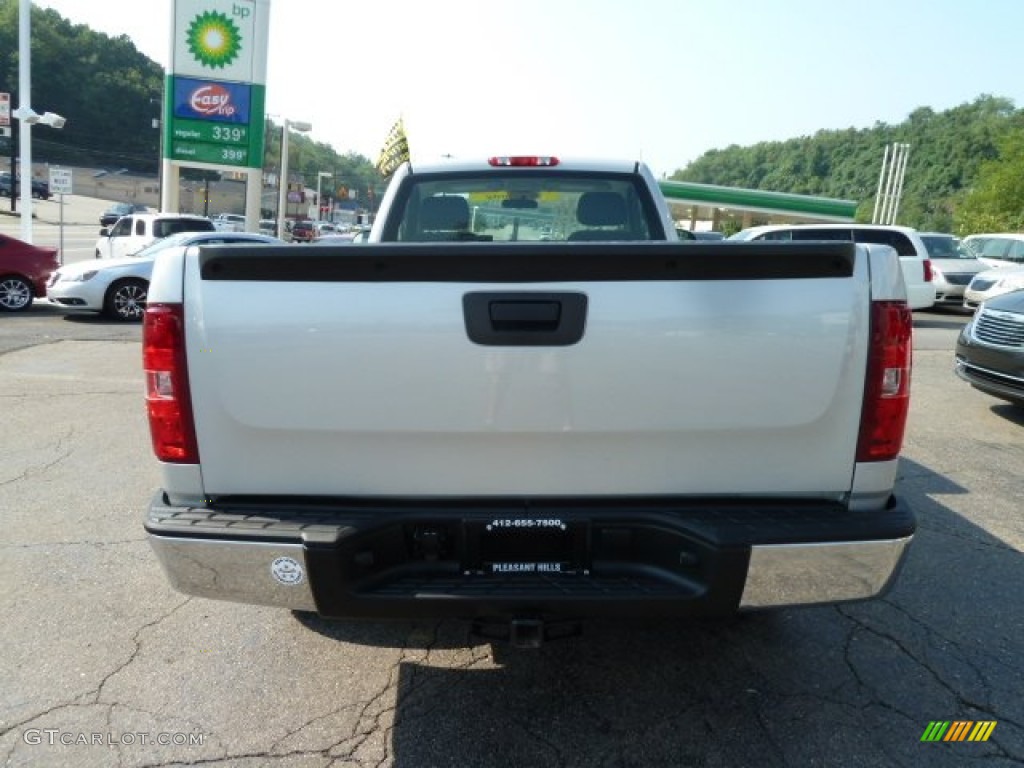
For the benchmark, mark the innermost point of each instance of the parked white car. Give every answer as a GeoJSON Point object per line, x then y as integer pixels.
{"type": "Point", "coordinates": [991, 283]}
{"type": "Point", "coordinates": [135, 231]}
{"type": "Point", "coordinates": [118, 287]}
{"type": "Point", "coordinates": [1000, 249]}
{"type": "Point", "coordinates": [914, 259]}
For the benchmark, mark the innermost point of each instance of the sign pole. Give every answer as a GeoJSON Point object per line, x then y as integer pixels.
{"type": "Point", "coordinates": [61, 196]}
{"type": "Point", "coordinates": [61, 184]}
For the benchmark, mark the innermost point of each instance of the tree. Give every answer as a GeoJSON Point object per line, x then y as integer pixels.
{"type": "Point", "coordinates": [102, 85]}
{"type": "Point", "coordinates": [996, 202]}
{"type": "Point", "coordinates": [948, 149]}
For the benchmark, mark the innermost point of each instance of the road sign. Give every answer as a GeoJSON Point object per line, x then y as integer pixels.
{"type": "Point", "coordinates": [60, 181]}
{"type": "Point", "coordinates": [5, 109]}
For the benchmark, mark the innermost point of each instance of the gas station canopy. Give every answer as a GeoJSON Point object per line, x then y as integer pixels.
{"type": "Point", "coordinates": [747, 202]}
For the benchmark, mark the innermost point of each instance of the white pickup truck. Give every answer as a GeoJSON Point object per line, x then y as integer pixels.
{"type": "Point", "coordinates": [134, 231]}
{"type": "Point", "coordinates": [525, 401]}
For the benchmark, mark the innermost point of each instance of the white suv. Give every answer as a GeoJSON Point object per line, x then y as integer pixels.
{"type": "Point", "coordinates": [917, 269]}
{"type": "Point", "coordinates": [134, 232]}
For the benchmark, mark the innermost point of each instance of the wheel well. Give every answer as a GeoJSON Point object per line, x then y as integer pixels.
{"type": "Point", "coordinates": [122, 280]}
{"type": "Point", "coordinates": [28, 280]}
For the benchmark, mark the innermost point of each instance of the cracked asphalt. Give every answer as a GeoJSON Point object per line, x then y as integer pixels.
{"type": "Point", "coordinates": [101, 659]}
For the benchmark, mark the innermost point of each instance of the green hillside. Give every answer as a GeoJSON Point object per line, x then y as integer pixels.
{"type": "Point", "coordinates": [960, 171]}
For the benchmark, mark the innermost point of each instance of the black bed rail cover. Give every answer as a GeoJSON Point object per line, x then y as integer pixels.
{"type": "Point", "coordinates": [527, 262]}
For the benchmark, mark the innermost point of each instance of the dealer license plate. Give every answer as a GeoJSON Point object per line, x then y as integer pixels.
{"type": "Point", "coordinates": [526, 545]}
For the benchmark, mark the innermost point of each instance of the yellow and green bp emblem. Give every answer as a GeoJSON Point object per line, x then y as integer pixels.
{"type": "Point", "coordinates": [214, 40]}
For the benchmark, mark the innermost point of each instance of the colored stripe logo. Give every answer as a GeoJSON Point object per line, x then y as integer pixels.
{"type": "Point", "coordinates": [958, 730]}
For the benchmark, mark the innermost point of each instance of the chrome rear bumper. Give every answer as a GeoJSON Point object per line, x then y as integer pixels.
{"type": "Point", "coordinates": [798, 574]}
{"type": "Point", "coordinates": [615, 558]}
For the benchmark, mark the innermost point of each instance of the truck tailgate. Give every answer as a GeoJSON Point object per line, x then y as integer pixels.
{"type": "Point", "coordinates": [698, 369]}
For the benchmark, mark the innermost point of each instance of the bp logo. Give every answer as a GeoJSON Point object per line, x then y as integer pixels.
{"type": "Point", "coordinates": [214, 40]}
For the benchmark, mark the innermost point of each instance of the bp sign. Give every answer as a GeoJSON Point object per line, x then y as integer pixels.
{"type": "Point", "coordinates": [215, 93]}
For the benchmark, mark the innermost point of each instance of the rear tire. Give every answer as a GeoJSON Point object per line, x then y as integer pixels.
{"type": "Point", "coordinates": [126, 300]}
{"type": "Point", "coordinates": [15, 294]}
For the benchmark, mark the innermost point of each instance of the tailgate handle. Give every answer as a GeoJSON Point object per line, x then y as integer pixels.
{"type": "Point", "coordinates": [524, 318]}
{"type": "Point", "coordinates": [525, 315]}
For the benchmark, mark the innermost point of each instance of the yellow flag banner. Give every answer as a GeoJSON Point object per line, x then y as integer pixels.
{"type": "Point", "coordinates": [395, 150]}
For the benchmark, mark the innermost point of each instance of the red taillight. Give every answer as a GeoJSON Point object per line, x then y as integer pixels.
{"type": "Point", "coordinates": [167, 394]}
{"type": "Point", "coordinates": [887, 391]}
{"type": "Point", "coordinates": [523, 161]}
{"type": "Point", "coordinates": [927, 270]}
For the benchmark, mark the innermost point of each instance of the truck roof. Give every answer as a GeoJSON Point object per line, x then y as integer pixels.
{"type": "Point", "coordinates": [449, 165]}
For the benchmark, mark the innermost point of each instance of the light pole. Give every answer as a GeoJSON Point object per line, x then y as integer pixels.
{"type": "Point", "coordinates": [27, 116]}
{"type": "Point", "coordinates": [319, 200]}
{"type": "Point", "coordinates": [282, 182]}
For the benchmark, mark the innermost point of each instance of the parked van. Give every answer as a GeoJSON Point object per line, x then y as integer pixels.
{"type": "Point", "coordinates": [917, 268]}
{"type": "Point", "coordinates": [1004, 249]}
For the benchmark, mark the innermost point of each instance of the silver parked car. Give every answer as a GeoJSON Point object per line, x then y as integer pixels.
{"type": "Point", "coordinates": [118, 287]}
{"type": "Point", "coordinates": [990, 350]}
{"type": "Point", "coordinates": [953, 266]}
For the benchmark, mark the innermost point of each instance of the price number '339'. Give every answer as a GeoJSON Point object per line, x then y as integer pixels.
{"type": "Point", "coordinates": [227, 133]}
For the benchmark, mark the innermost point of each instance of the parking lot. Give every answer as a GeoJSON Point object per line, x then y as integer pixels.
{"type": "Point", "coordinates": [104, 664]}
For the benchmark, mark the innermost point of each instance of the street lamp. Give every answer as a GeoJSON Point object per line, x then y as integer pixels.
{"type": "Point", "coordinates": [282, 183]}
{"type": "Point", "coordinates": [319, 203]}
{"type": "Point", "coordinates": [27, 115]}
{"type": "Point", "coordinates": [28, 118]}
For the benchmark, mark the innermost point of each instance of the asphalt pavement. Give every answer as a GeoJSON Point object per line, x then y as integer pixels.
{"type": "Point", "coordinates": [104, 664]}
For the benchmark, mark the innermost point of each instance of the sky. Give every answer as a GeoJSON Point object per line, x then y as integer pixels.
{"type": "Point", "coordinates": [659, 80]}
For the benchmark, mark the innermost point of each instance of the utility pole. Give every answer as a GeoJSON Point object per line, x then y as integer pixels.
{"type": "Point", "coordinates": [14, 169]}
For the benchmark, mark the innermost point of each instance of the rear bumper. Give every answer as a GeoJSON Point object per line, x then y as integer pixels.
{"type": "Point", "coordinates": [543, 558]}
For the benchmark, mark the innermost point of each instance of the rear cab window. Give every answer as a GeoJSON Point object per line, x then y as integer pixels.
{"type": "Point", "coordinates": [515, 206]}
{"type": "Point", "coordinates": [164, 227]}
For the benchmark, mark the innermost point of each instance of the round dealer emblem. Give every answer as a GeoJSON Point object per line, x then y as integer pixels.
{"type": "Point", "coordinates": [286, 571]}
